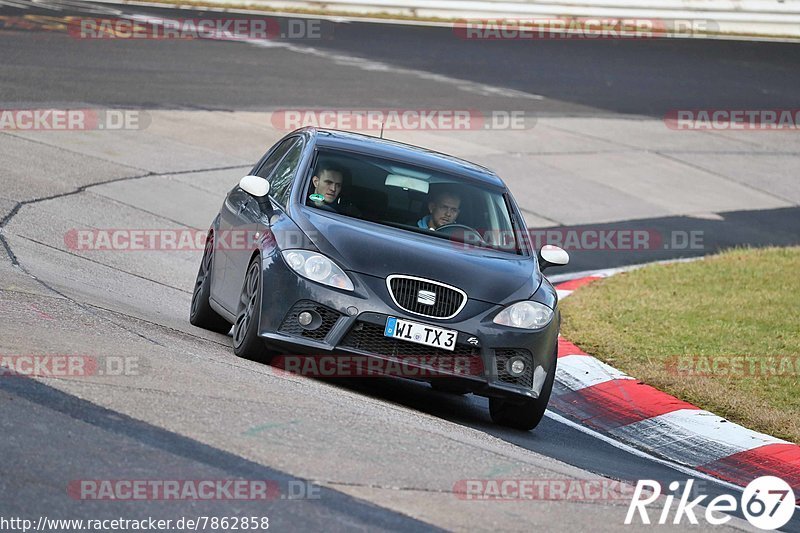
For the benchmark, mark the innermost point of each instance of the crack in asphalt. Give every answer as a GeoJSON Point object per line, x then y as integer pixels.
{"type": "Point", "coordinates": [7, 248]}
{"type": "Point", "coordinates": [156, 324]}
{"type": "Point", "coordinates": [19, 205]}
{"type": "Point", "coordinates": [86, 307]}
{"type": "Point", "coordinates": [51, 247]}
{"type": "Point", "coordinates": [27, 293]}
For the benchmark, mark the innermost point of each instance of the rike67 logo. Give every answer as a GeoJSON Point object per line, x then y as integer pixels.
{"type": "Point", "coordinates": [768, 503]}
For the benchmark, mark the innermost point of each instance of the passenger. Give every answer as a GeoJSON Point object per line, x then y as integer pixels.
{"type": "Point", "coordinates": [443, 208]}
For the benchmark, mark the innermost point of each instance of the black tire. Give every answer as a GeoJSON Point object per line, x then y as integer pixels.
{"type": "Point", "coordinates": [450, 388]}
{"type": "Point", "coordinates": [525, 415]}
{"type": "Point", "coordinates": [201, 314]}
{"type": "Point", "coordinates": [246, 342]}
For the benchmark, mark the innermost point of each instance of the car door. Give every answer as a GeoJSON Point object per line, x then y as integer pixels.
{"type": "Point", "coordinates": [233, 218]}
{"type": "Point", "coordinates": [251, 223]}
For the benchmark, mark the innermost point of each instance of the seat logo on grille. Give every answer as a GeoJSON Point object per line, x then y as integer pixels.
{"type": "Point", "coordinates": [426, 297]}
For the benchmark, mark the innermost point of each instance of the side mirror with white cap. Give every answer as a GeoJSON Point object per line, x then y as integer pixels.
{"type": "Point", "coordinates": [257, 187]}
{"type": "Point", "coordinates": [551, 255]}
{"type": "Point", "coordinates": [254, 186]}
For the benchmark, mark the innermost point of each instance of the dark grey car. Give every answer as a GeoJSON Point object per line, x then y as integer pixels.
{"type": "Point", "coordinates": [410, 256]}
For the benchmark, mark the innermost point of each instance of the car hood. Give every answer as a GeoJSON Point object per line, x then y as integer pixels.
{"type": "Point", "coordinates": [380, 251]}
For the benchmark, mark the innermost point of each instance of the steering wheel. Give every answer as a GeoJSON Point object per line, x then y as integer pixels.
{"type": "Point", "coordinates": [450, 229]}
{"type": "Point", "coordinates": [323, 206]}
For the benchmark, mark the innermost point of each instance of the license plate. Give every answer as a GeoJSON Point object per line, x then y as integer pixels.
{"type": "Point", "coordinates": [421, 333]}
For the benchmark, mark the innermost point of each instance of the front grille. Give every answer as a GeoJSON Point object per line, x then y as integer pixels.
{"type": "Point", "coordinates": [406, 293]}
{"type": "Point", "coordinates": [291, 326]}
{"type": "Point", "coordinates": [502, 355]}
{"type": "Point", "coordinates": [368, 337]}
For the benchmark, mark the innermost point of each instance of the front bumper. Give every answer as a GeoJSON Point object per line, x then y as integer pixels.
{"type": "Point", "coordinates": [353, 323]}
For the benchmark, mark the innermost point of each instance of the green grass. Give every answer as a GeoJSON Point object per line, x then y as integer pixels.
{"type": "Point", "coordinates": [743, 302]}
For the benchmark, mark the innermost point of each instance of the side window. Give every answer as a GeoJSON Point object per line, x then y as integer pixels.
{"type": "Point", "coordinates": [274, 158]}
{"type": "Point", "coordinates": [283, 175]}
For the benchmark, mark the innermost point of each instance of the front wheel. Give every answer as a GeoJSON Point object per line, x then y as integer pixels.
{"type": "Point", "coordinates": [525, 415]}
{"type": "Point", "coordinates": [246, 342]}
{"type": "Point", "coordinates": [201, 314]}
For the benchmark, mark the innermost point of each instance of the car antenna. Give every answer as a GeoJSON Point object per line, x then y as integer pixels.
{"type": "Point", "coordinates": [381, 130]}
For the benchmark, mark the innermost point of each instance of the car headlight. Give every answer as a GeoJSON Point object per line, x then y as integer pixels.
{"type": "Point", "coordinates": [525, 315]}
{"type": "Point", "coordinates": [317, 267]}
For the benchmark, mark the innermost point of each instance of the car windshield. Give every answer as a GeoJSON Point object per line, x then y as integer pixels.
{"type": "Point", "coordinates": [412, 198]}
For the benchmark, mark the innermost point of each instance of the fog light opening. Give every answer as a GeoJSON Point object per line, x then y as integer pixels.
{"type": "Point", "coordinates": [516, 366]}
{"type": "Point", "coordinates": [305, 318]}
{"type": "Point", "coordinates": [309, 320]}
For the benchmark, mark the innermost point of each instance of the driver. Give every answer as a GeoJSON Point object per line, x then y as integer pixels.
{"type": "Point", "coordinates": [327, 183]}
{"type": "Point", "coordinates": [444, 208]}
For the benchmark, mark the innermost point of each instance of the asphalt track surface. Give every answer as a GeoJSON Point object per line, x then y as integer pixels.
{"type": "Point", "coordinates": [601, 78]}
{"type": "Point", "coordinates": [606, 78]}
{"type": "Point", "coordinates": [644, 76]}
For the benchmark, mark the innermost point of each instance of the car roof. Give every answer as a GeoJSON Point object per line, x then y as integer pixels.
{"type": "Point", "coordinates": [375, 146]}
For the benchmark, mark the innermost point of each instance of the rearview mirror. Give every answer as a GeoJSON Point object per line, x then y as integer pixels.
{"type": "Point", "coordinates": [551, 255]}
{"type": "Point", "coordinates": [255, 186]}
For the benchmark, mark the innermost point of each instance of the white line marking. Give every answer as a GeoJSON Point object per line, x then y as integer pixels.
{"type": "Point", "coordinates": [45, 5]}
{"type": "Point", "coordinates": [606, 272]}
{"type": "Point", "coordinates": [639, 453]}
{"type": "Point", "coordinates": [86, 7]}
{"type": "Point", "coordinates": [395, 22]}
{"type": "Point", "coordinates": [644, 455]}
{"type": "Point", "coordinates": [368, 64]}
{"type": "Point", "coordinates": [579, 371]}
{"type": "Point", "coordinates": [18, 5]}
{"type": "Point", "coordinates": [693, 436]}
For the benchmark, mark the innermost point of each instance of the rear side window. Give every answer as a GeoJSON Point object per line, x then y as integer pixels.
{"type": "Point", "coordinates": [282, 177]}
{"type": "Point", "coordinates": [272, 161]}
